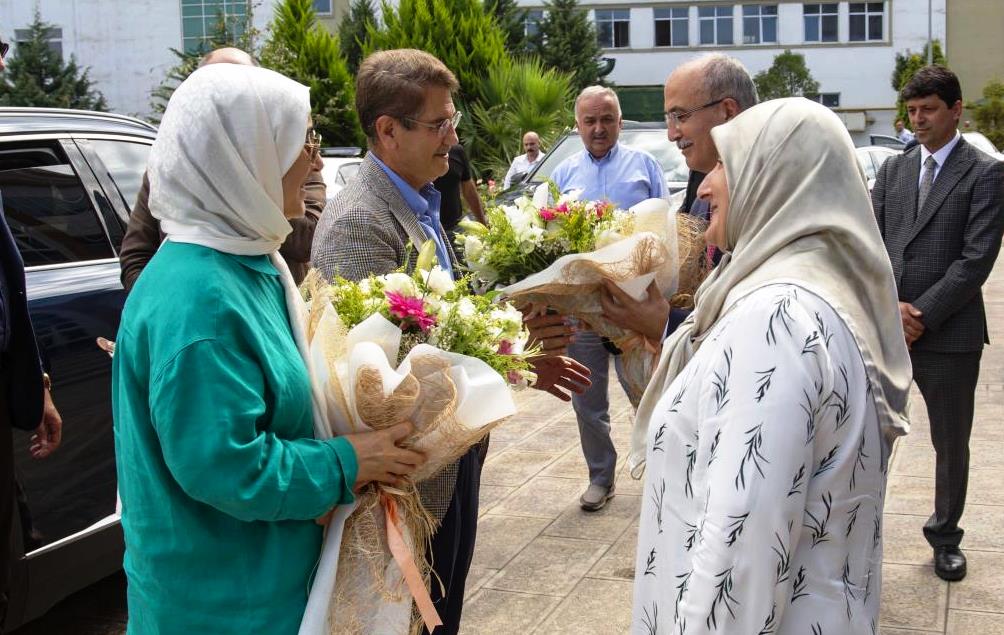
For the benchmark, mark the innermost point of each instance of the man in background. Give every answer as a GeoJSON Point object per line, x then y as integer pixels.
{"type": "Point", "coordinates": [458, 183]}
{"type": "Point", "coordinates": [522, 164]}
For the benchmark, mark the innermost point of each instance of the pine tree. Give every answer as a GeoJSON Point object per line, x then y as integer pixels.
{"type": "Point", "coordinates": [788, 76]}
{"type": "Point", "coordinates": [37, 76]}
{"type": "Point", "coordinates": [301, 49]}
{"type": "Point", "coordinates": [238, 33]}
{"type": "Point", "coordinates": [567, 42]}
{"type": "Point", "coordinates": [510, 18]}
{"type": "Point", "coordinates": [352, 32]}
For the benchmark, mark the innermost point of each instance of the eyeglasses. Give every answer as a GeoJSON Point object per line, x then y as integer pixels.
{"type": "Point", "coordinates": [312, 144]}
{"type": "Point", "coordinates": [4, 47]}
{"type": "Point", "coordinates": [443, 127]}
{"type": "Point", "coordinates": [677, 118]}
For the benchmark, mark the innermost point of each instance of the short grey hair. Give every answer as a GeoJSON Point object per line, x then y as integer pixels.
{"type": "Point", "coordinates": [725, 76]}
{"type": "Point", "coordinates": [596, 91]}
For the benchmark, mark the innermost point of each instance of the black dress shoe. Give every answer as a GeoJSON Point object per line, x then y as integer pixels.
{"type": "Point", "coordinates": [949, 563]}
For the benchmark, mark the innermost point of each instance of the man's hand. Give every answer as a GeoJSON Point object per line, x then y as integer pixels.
{"type": "Point", "coordinates": [49, 433]}
{"type": "Point", "coordinates": [381, 459]}
{"type": "Point", "coordinates": [647, 317]}
{"type": "Point", "coordinates": [551, 332]}
{"type": "Point", "coordinates": [556, 373]}
{"type": "Point", "coordinates": [913, 328]}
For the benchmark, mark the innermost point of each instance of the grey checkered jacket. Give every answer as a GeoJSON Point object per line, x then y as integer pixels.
{"type": "Point", "coordinates": [365, 229]}
{"type": "Point", "coordinates": [942, 254]}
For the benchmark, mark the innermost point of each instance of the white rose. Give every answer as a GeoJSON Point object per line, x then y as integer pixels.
{"type": "Point", "coordinates": [438, 281]}
{"type": "Point", "coordinates": [400, 283]}
{"type": "Point", "coordinates": [466, 308]}
{"type": "Point", "coordinates": [473, 248]}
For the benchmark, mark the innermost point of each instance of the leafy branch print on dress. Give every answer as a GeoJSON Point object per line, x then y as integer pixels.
{"type": "Point", "coordinates": [723, 597]}
{"type": "Point", "coordinates": [852, 518]}
{"type": "Point", "coordinates": [810, 417]}
{"type": "Point", "coordinates": [770, 623]}
{"type": "Point", "coordinates": [681, 590]}
{"type": "Point", "coordinates": [713, 452]}
{"type": "Point", "coordinates": [650, 563]}
{"type": "Point", "coordinates": [811, 344]}
{"type": "Point", "coordinates": [798, 586]}
{"type": "Point", "coordinates": [828, 461]}
{"type": "Point", "coordinates": [658, 496]}
{"type": "Point", "coordinates": [688, 488]}
{"type": "Point", "coordinates": [823, 331]}
{"type": "Point", "coordinates": [797, 481]}
{"type": "Point", "coordinates": [779, 316]}
{"type": "Point", "coordinates": [650, 619]}
{"type": "Point", "coordinates": [721, 383]}
{"type": "Point", "coordinates": [754, 440]}
{"type": "Point", "coordinates": [783, 567]}
{"type": "Point", "coordinates": [735, 528]}
{"type": "Point", "coordinates": [817, 526]}
{"type": "Point", "coordinates": [763, 383]}
{"type": "Point", "coordinates": [660, 435]}
{"type": "Point", "coordinates": [845, 579]}
{"type": "Point", "coordinates": [859, 461]}
{"type": "Point", "coordinates": [839, 401]}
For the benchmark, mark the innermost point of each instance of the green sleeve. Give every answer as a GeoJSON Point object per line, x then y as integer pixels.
{"type": "Point", "coordinates": [206, 405]}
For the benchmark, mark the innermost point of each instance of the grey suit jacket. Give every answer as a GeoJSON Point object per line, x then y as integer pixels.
{"type": "Point", "coordinates": [368, 228]}
{"type": "Point", "coordinates": [942, 254]}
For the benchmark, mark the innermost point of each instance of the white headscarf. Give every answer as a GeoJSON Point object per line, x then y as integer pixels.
{"type": "Point", "coordinates": [228, 136]}
{"type": "Point", "coordinates": [799, 213]}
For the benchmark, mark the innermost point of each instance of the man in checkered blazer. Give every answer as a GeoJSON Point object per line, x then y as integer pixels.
{"type": "Point", "coordinates": [939, 208]}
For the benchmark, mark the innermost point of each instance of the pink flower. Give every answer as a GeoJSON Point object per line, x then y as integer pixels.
{"type": "Point", "coordinates": [602, 208]}
{"type": "Point", "coordinates": [505, 347]}
{"type": "Point", "coordinates": [409, 310]}
{"type": "Point", "coordinates": [562, 209]}
{"type": "Point", "coordinates": [547, 215]}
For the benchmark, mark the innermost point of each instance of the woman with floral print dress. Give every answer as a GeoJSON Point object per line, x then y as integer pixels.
{"type": "Point", "coordinates": [767, 427]}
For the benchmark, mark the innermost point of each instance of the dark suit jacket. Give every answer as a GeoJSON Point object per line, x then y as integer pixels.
{"type": "Point", "coordinates": [21, 369]}
{"type": "Point", "coordinates": [143, 236]}
{"type": "Point", "coordinates": [942, 258]}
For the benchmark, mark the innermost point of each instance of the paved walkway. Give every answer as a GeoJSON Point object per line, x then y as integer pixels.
{"type": "Point", "coordinates": [544, 566]}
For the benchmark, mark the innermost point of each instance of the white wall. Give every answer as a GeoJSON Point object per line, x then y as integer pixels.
{"type": "Point", "coordinates": [125, 43]}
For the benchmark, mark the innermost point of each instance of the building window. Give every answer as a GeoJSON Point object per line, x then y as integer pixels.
{"type": "Point", "coordinates": [201, 20]}
{"type": "Point", "coordinates": [531, 22]}
{"type": "Point", "coordinates": [612, 28]}
{"type": "Point", "coordinates": [716, 24]}
{"type": "Point", "coordinates": [759, 23]}
{"type": "Point", "coordinates": [671, 27]}
{"type": "Point", "coordinates": [322, 7]}
{"type": "Point", "coordinates": [830, 100]}
{"type": "Point", "coordinates": [866, 21]}
{"type": "Point", "coordinates": [820, 22]}
{"type": "Point", "coordinates": [54, 37]}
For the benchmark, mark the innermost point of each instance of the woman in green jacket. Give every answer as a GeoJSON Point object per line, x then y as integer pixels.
{"type": "Point", "coordinates": [219, 472]}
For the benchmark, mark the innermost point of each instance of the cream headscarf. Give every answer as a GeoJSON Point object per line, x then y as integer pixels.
{"type": "Point", "coordinates": [799, 213]}
{"type": "Point", "coordinates": [229, 134]}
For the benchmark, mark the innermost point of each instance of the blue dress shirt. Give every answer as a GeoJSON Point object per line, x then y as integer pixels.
{"type": "Point", "coordinates": [624, 176]}
{"type": "Point", "coordinates": [425, 204]}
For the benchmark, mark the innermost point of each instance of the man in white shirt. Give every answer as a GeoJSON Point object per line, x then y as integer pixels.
{"type": "Point", "coordinates": [902, 133]}
{"type": "Point", "coordinates": [525, 162]}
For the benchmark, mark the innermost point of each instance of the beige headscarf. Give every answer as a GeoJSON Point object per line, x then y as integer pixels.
{"type": "Point", "coordinates": [799, 213]}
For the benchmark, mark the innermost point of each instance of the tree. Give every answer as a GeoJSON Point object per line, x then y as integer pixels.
{"type": "Point", "coordinates": [301, 49]}
{"type": "Point", "coordinates": [787, 77]}
{"type": "Point", "coordinates": [37, 76]}
{"type": "Point", "coordinates": [236, 32]}
{"type": "Point", "coordinates": [567, 42]}
{"type": "Point", "coordinates": [352, 32]}
{"type": "Point", "coordinates": [989, 112]}
{"type": "Point", "coordinates": [906, 66]}
{"type": "Point", "coordinates": [510, 18]}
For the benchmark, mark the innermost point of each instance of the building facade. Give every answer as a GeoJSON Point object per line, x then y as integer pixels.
{"type": "Point", "coordinates": [849, 47]}
{"type": "Point", "coordinates": [976, 45]}
{"type": "Point", "coordinates": [127, 43]}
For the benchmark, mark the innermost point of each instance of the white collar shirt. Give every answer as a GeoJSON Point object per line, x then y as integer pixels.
{"type": "Point", "coordinates": [520, 165]}
{"type": "Point", "coordinates": [939, 157]}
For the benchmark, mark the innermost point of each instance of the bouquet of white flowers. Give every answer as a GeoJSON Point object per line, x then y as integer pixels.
{"type": "Point", "coordinates": [402, 346]}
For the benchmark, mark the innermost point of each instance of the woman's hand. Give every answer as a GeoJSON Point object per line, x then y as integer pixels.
{"type": "Point", "coordinates": [647, 317]}
{"type": "Point", "coordinates": [551, 331]}
{"type": "Point", "coordinates": [381, 459]}
{"type": "Point", "coordinates": [557, 373]}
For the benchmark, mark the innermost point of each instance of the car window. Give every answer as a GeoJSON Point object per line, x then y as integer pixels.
{"type": "Point", "coordinates": [878, 158]}
{"type": "Point", "coordinates": [47, 208]}
{"type": "Point", "coordinates": [126, 164]}
{"type": "Point", "coordinates": [653, 141]}
{"type": "Point", "coordinates": [865, 159]}
{"type": "Point", "coordinates": [346, 172]}
{"type": "Point", "coordinates": [980, 142]}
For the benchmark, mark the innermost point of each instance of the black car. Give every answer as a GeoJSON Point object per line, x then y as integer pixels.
{"type": "Point", "coordinates": [650, 137]}
{"type": "Point", "coordinates": [68, 181]}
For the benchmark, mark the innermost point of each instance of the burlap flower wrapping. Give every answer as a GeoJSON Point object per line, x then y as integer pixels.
{"type": "Point", "coordinates": [670, 252]}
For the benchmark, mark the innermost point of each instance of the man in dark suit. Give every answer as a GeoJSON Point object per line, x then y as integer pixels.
{"type": "Point", "coordinates": [25, 402]}
{"type": "Point", "coordinates": [938, 206]}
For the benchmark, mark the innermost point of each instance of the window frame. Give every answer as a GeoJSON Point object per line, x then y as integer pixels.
{"type": "Point", "coordinates": [207, 20]}
{"type": "Point", "coordinates": [821, 98]}
{"type": "Point", "coordinates": [330, 11]}
{"type": "Point", "coordinates": [55, 41]}
{"type": "Point", "coordinates": [613, 21]}
{"type": "Point", "coordinates": [760, 18]}
{"type": "Point", "coordinates": [819, 18]}
{"type": "Point", "coordinates": [866, 14]}
{"type": "Point", "coordinates": [671, 20]}
{"type": "Point", "coordinates": [714, 19]}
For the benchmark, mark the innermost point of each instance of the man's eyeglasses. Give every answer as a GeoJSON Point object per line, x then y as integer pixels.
{"type": "Point", "coordinates": [4, 47]}
{"type": "Point", "coordinates": [677, 118]}
{"type": "Point", "coordinates": [313, 144]}
{"type": "Point", "coordinates": [443, 127]}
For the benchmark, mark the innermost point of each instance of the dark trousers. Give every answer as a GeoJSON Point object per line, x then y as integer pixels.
{"type": "Point", "coordinates": [948, 383]}
{"type": "Point", "coordinates": [453, 544]}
